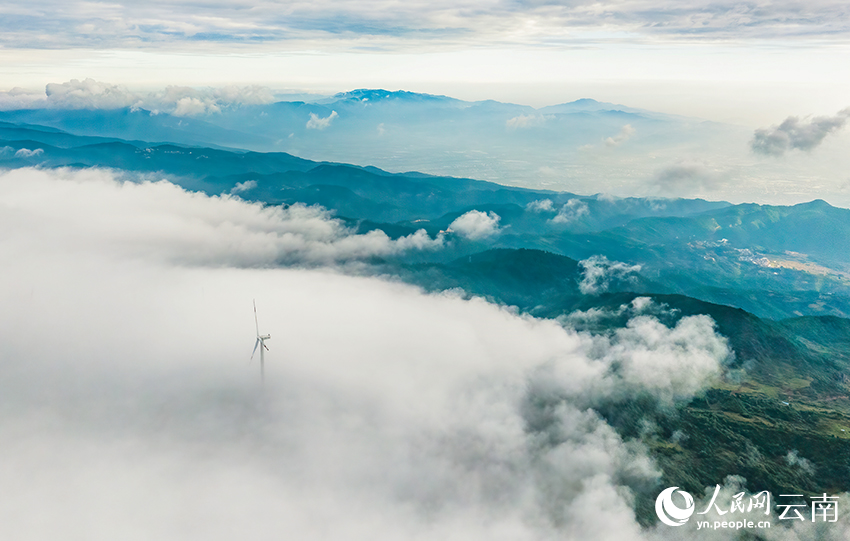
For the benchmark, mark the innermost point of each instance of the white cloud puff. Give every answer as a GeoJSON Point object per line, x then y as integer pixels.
{"type": "Point", "coordinates": [27, 153]}
{"type": "Point", "coordinates": [571, 211]}
{"type": "Point", "coordinates": [161, 220]}
{"type": "Point", "coordinates": [622, 136]}
{"type": "Point", "coordinates": [318, 123]}
{"type": "Point", "coordinates": [476, 225]}
{"type": "Point", "coordinates": [599, 274]}
{"type": "Point", "coordinates": [89, 94]}
{"type": "Point", "coordinates": [246, 186]}
{"type": "Point", "coordinates": [541, 205]}
{"type": "Point", "coordinates": [525, 121]}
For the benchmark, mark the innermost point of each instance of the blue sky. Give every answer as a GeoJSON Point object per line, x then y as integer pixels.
{"type": "Point", "coordinates": [755, 62]}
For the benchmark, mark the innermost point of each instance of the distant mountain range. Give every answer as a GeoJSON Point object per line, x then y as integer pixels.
{"type": "Point", "coordinates": [773, 261]}
{"type": "Point", "coordinates": [579, 142]}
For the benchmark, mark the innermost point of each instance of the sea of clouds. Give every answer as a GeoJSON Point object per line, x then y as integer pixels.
{"type": "Point", "coordinates": [130, 409]}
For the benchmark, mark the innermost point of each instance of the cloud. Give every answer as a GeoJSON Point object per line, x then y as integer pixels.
{"type": "Point", "coordinates": [189, 106]}
{"type": "Point", "coordinates": [793, 458]}
{"type": "Point", "coordinates": [20, 98]}
{"type": "Point", "coordinates": [89, 94]}
{"type": "Point", "coordinates": [646, 354]}
{"type": "Point", "coordinates": [175, 100]}
{"type": "Point", "coordinates": [571, 211]}
{"type": "Point", "coordinates": [600, 274]}
{"type": "Point", "coordinates": [243, 186]}
{"type": "Point", "coordinates": [27, 153]}
{"type": "Point", "coordinates": [798, 134]}
{"type": "Point", "coordinates": [541, 205]}
{"type": "Point", "coordinates": [318, 123]}
{"type": "Point", "coordinates": [158, 220]}
{"type": "Point", "coordinates": [525, 121]}
{"type": "Point", "coordinates": [224, 25]}
{"type": "Point", "coordinates": [386, 413]}
{"type": "Point", "coordinates": [476, 225]}
{"type": "Point", "coordinates": [622, 136]}
{"type": "Point", "coordinates": [188, 101]}
{"type": "Point", "coordinates": [689, 177]}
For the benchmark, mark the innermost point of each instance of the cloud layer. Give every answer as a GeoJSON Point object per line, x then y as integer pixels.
{"type": "Point", "coordinates": [46, 24]}
{"type": "Point", "coordinates": [159, 220]}
{"type": "Point", "coordinates": [175, 100]}
{"type": "Point", "coordinates": [129, 404]}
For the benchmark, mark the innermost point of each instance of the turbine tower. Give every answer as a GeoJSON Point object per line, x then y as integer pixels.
{"type": "Point", "coordinates": [261, 343]}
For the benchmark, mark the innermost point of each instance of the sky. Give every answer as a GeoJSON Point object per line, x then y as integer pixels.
{"type": "Point", "coordinates": [752, 63]}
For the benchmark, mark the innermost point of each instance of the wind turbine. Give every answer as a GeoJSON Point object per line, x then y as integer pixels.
{"type": "Point", "coordinates": [261, 343]}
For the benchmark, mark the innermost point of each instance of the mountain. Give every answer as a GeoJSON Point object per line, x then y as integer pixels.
{"type": "Point", "coordinates": [136, 124]}
{"type": "Point", "coordinates": [773, 261]}
{"type": "Point", "coordinates": [588, 104]}
{"type": "Point", "coordinates": [277, 177]}
{"type": "Point", "coordinates": [580, 142]}
{"type": "Point", "coordinates": [784, 389]}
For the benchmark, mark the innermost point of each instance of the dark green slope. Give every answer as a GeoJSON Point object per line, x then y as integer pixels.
{"type": "Point", "coordinates": [815, 228]}
{"type": "Point", "coordinates": [185, 165]}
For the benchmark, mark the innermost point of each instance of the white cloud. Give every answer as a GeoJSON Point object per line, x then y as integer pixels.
{"type": "Point", "coordinates": [161, 220]}
{"type": "Point", "coordinates": [571, 211]}
{"type": "Point", "coordinates": [189, 106]}
{"type": "Point", "coordinates": [622, 136]}
{"type": "Point", "coordinates": [600, 273]}
{"type": "Point", "coordinates": [793, 458]}
{"type": "Point", "coordinates": [243, 186]}
{"type": "Point", "coordinates": [176, 100]}
{"type": "Point", "coordinates": [318, 123]}
{"type": "Point", "coordinates": [476, 225]}
{"type": "Point", "coordinates": [670, 363]}
{"type": "Point", "coordinates": [27, 153]}
{"type": "Point", "coordinates": [525, 121]}
{"type": "Point", "coordinates": [20, 98]}
{"type": "Point", "coordinates": [541, 205]}
{"type": "Point", "coordinates": [89, 94]}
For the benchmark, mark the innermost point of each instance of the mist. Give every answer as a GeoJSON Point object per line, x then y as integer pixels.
{"type": "Point", "coordinates": [130, 409]}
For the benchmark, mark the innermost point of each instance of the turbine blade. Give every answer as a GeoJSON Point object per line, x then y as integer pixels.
{"type": "Point", "coordinates": [257, 343]}
{"type": "Point", "coordinates": [256, 324]}
{"type": "Point", "coordinates": [265, 346]}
